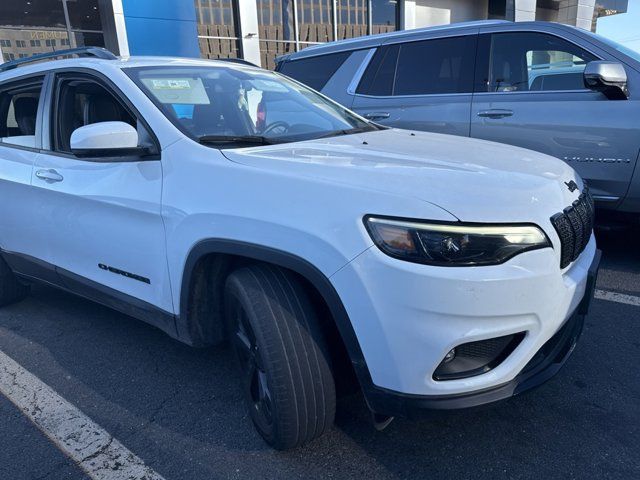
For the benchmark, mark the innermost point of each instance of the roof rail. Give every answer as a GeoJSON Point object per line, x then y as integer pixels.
{"type": "Point", "coordinates": [241, 61]}
{"type": "Point", "coordinates": [97, 52]}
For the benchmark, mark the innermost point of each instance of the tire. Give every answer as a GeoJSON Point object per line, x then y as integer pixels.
{"type": "Point", "coordinates": [11, 290]}
{"type": "Point", "coordinates": [284, 360]}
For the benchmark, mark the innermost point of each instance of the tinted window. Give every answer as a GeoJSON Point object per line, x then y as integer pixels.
{"type": "Point", "coordinates": [82, 101]}
{"type": "Point", "coordinates": [378, 78]}
{"type": "Point", "coordinates": [18, 113]}
{"type": "Point", "coordinates": [534, 62]}
{"type": "Point", "coordinates": [418, 68]}
{"type": "Point", "coordinates": [316, 71]}
{"type": "Point", "coordinates": [436, 66]}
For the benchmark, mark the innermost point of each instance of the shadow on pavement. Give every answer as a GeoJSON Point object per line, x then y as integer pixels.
{"type": "Point", "coordinates": [180, 409]}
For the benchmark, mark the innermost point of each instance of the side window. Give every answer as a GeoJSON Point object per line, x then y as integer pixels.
{"type": "Point", "coordinates": [315, 71]}
{"type": "Point", "coordinates": [380, 73]}
{"type": "Point", "coordinates": [535, 62]}
{"type": "Point", "coordinates": [18, 112]}
{"type": "Point", "coordinates": [83, 101]}
{"type": "Point", "coordinates": [437, 66]}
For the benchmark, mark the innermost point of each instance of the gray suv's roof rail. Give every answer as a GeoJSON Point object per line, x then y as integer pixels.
{"type": "Point", "coordinates": [240, 61]}
{"type": "Point", "coordinates": [97, 52]}
{"type": "Point", "coordinates": [367, 41]}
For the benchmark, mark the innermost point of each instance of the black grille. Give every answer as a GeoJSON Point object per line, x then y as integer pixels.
{"type": "Point", "coordinates": [574, 226]}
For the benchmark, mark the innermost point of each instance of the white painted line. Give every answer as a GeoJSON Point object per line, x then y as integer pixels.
{"type": "Point", "coordinates": [100, 455]}
{"type": "Point", "coordinates": [617, 297]}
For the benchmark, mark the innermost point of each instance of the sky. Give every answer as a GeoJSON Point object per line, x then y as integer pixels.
{"type": "Point", "coordinates": [623, 28]}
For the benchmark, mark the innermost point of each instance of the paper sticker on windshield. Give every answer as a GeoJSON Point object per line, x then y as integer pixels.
{"type": "Point", "coordinates": [178, 90]}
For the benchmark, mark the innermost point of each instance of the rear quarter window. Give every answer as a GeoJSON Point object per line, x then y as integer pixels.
{"type": "Point", "coordinates": [315, 71]}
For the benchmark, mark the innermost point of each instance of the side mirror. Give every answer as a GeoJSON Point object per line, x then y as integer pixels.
{"type": "Point", "coordinates": [106, 139]}
{"type": "Point", "coordinates": [609, 78]}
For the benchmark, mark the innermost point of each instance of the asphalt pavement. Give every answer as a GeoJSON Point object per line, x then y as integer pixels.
{"type": "Point", "coordinates": [180, 409]}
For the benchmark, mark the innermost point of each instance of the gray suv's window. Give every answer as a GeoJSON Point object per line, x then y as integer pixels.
{"type": "Point", "coordinates": [527, 61]}
{"type": "Point", "coordinates": [438, 66]}
{"type": "Point", "coordinates": [379, 75]}
{"type": "Point", "coordinates": [315, 71]}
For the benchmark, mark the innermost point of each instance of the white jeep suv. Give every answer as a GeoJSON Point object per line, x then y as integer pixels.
{"type": "Point", "coordinates": [215, 200]}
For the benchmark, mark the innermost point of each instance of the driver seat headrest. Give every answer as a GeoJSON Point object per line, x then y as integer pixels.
{"type": "Point", "coordinates": [101, 108]}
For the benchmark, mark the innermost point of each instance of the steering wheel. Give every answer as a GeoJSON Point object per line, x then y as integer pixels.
{"type": "Point", "coordinates": [275, 126]}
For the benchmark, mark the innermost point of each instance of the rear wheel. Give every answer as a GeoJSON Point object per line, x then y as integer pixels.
{"type": "Point", "coordinates": [286, 377]}
{"type": "Point", "coordinates": [11, 290]}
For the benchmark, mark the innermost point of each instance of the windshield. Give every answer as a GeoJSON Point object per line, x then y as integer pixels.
{"type": "Point", "coordinates": [232, 106]}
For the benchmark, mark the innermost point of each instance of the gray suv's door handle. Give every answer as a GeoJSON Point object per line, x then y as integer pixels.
{"type": "Point", "coordinates": [495, 113]}
{"type": "Point", "coordinates": [49, 176]}
{"type": "Point", "coordinates": [376, 115]}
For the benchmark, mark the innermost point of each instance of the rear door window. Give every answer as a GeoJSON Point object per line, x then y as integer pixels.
{"type": "Point", "coordinates": [18, 112]}
{"type": "Point", "coordinates": [428, 67]}
{"type": "Point", "coordinates": [437, 66]}
{"type": "Point", "coordinates": [379, 76]}
{"type": "Point", "coordinates": [314, 72]}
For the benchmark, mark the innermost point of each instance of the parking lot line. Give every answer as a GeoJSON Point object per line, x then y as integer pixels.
{"type": "Point", "coordinates": [617, 297]}
{"type": "Point", "coordinates": [98, 453]}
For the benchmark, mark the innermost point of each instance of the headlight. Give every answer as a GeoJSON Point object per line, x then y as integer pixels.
{"type": "Point", "coordinates": [453, 244]}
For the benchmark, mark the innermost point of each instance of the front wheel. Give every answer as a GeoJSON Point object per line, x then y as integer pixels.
{"type": "Point", "coordinates": [286, 375]}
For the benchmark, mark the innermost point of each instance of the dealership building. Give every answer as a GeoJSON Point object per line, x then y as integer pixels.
{"type": "Point", "coordinates": [256, 30]}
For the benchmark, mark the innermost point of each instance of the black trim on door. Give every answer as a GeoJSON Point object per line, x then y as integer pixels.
{"type": "Point", "coordinates": [32, 269]}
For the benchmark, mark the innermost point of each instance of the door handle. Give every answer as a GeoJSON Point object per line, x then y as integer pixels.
{"type": "Point", "coordinates": [495, 113]}
{"type": "Point", "coordinates": [49, 176]}
{"type": "Point", "coordinates": [376, 115]}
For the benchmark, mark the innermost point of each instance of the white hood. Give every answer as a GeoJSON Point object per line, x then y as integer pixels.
{"type": "Point", "coordinates": [475, 180]}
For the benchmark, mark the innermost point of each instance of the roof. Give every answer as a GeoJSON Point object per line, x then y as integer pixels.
{"type": "Point", "coordinates": [118, 63]}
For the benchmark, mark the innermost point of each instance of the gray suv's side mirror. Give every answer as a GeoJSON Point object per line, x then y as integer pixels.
{"type": "Point", "coordinates": [609, 78]}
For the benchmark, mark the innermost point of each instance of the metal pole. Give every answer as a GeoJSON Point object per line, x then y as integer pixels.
{"type": "Point", "coordinates": [72, 39]}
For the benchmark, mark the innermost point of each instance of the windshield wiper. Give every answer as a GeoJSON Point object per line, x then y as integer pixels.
{"type": "Point", "coordinates": [235, 139]}
{"type": "Point", "coordinates": [348, 131]}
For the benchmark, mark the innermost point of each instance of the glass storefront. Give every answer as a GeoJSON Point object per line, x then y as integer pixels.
{"type": "Point", "coordinates": [384, 16]}
{"type": "Point", "coordinates": [352, 18]}
{"type": "Point", "coordinates": [218, 34]}
{"type": "Point", "coordinates": [290, 25]}
{"type": "Point", "coordinates": [315, 22]}
{"type": "Point", "coordinates": [29, 27]}
{"type": "Point", "coordinates": [276, 29]}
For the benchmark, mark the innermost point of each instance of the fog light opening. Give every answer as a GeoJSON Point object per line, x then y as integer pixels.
{"type": "Point", "coordinates": [475, 358]}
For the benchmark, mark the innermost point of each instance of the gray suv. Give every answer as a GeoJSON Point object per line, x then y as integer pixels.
{"type": "Point", "coordinates": [543, 86]}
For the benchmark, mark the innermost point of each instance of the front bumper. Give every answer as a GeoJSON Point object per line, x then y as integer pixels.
{"type": "Point", "coordinates": [551, 337]}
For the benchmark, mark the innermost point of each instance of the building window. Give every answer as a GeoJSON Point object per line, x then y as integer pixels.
{"type": "Point", "coordinates": [276, 29]}
{"type": "Point", "coordinates": [315, 22]}
{"type": "Point", "coordinates": [84, 15]}
{"type": "Point", "coordinates": [218, 35]}
{"type": "Point", "coordinates": [352, 17]}
{"type": "Point", "coordinates": [385, 16]}
{"type": "Point", "coordinates": [39, 26]}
